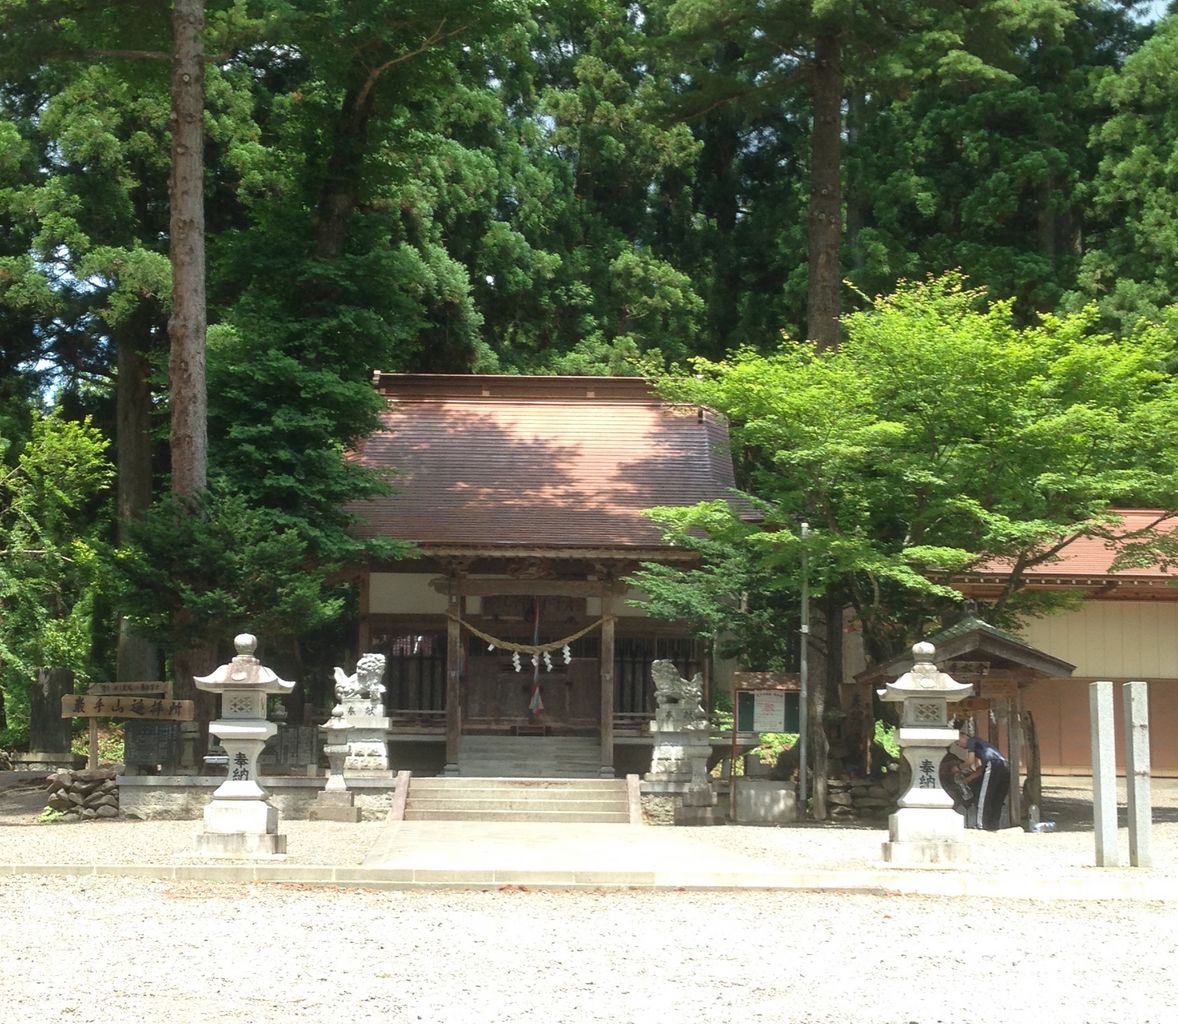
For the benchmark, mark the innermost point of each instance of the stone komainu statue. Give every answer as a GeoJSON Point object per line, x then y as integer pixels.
{"type": "Point", "coordinates": [679, 700]}
{"type": "Point", "coordinates": [365, 684]}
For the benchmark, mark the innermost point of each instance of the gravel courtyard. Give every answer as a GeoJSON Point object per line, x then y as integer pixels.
{"type": "Point", "coordinates": [106, 950]}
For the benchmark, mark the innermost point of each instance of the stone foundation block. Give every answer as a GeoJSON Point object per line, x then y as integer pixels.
{"type": "Point", "coordinates": [241, 845]}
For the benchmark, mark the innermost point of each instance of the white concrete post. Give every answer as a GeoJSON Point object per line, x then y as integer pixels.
{"type": "Point", "coordinates": [1137, 772]}
{"type": "Point", "coordinates": [1104, 774]}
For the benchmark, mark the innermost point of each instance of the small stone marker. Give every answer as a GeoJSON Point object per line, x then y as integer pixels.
{"type": "Point", "coordinates": [239, 821]}
{"type": "Point", "coordinates": [1137, 772]}
{"type": "Point", "coordinates": [1104, 774]}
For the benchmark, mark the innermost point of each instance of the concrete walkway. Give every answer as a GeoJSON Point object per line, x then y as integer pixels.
{"type": "Point", "coordinates": [424, 854]}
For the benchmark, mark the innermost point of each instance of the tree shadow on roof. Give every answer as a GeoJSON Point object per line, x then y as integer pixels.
{"type": "Point", "coordinates": [539, 476]}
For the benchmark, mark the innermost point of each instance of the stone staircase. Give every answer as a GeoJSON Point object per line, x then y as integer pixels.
{"type": "Point", "coordinates": [505, 799]}
{"type": "Point", "coordinates": [529, 757]}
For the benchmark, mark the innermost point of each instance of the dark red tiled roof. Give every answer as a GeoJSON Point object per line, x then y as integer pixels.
{"type": "Point", "coordinates": [537, 461]}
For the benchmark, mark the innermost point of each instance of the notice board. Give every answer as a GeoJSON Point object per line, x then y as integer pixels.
{"type": "Point", "coordinates": [768, 711]}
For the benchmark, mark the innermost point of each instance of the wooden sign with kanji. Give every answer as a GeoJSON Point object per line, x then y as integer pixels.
{"type": "Point", "coordinates": [123, 705]}
{"type": "Point", "coordinates": [90, 705]}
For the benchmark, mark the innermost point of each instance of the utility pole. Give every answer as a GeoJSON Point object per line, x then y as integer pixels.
{"type": "Point", "coordinates": [803, 680]}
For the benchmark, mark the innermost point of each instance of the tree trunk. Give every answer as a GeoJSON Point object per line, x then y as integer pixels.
{"type": "Point", "coordinates": [137, 659]}
{"type": "Point", "coordinates": [341, 186]}
{"type": "Point", "coordinates": [856, 216]}
{"type": "Point", "coordinates": [825, 222]}
{"type": "Point", "coordinates": [826, 663]}
{"type": "Point", "coordinates": [49, 733]}
{"type": "Point", "coordinates": [187, 326]}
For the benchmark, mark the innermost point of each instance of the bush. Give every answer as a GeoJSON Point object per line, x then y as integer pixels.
{"type": "Point", "coordinates": [773, 745]}
{"type": "Point", "coordinates": [110, 744]}
{"type": "Point", "coordinates": [886, 737]}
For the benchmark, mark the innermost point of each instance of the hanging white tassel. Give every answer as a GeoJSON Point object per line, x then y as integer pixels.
{"type": "Point", "coordinates": [535, 661]}
{"type": "Point", "coordinates": [568, 654]}
{"type": "Point", "coordinates": [547, 662]}
{"type": "Point", "coordinates": [490, 647]}
{"type": "Point", "coordinates": [515, 660]}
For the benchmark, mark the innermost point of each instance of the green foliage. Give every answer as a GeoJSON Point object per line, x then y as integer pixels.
{"type": "Point", "coordinates": [51, 561]}
{"type": "Point", "coordinates": [200, 569]}
{"type": "Point", "coordinates": [1131, 264]}
{"type": "Point", "coordinates": [773, 745]}
{"type": "Point", "coordinates": [742, 597]}
{"type": "Point", "coordinates": [110, 745]}
{"type": "Point", "coordinates": [588, 186]}
{"type": "Point", "coordinates": [887, 737]}
{"type": "Point", "coordinates": [1009, 442]}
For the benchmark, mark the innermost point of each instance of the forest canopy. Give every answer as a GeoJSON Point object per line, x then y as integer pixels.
{"type": "Point", "coordinates": [572, 187]}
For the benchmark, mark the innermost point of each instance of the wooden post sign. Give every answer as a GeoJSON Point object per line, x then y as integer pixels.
{"type": "Point", "coordinates": [139, 704]}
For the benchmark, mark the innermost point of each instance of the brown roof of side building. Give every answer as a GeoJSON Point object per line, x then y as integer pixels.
{"type": "Point", "coordinates": [1087, 562]}
{"type": "Point", "coordinates": [503, 463]}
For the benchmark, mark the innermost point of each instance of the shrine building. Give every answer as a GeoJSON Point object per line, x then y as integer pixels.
{"type": "Point", "coordinates": [525, 499]}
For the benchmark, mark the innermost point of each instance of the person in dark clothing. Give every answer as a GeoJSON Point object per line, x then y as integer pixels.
{"type": "Point", "coordinates": [989, 778]}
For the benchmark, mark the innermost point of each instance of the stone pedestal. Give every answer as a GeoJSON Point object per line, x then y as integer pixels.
{"type": "Point", "coordinates": [335, 803]}
{"type": "Point", "coordinates": [368, 747]}
{"type": "Point", "coordinates": [697, 806]}
{"type": "Point", "coordinates": [922, 836]}
{"type": "Point", "coordinates": [239, 821]}
{"type": "Point", "coordinates": [764, 802]}
{"type": "Point", "coordinates": [675, 752]}
{"type": "Point", "coordinates": [925, 830]}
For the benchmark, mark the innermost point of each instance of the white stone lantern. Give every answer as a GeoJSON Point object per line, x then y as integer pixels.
{"type": "Point", "coordinates": [925, 829]}
{"type": "Point", "coordinates": [240, 821]}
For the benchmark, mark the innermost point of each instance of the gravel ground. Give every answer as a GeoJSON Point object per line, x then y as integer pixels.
{"type": "Point", "coordinates": [99, 950]}
{"type": "Point", "coordinates": [94, 950]}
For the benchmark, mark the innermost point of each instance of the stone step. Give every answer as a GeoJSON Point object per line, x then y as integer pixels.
{"type": "Point", "coordinates": [570, 817]}
{"type": "Point", "coordinates": [517, 771]}
{"type": "Point", "coordinates": [515, 783]}
{"type": "Point", "coordinates": [467, 802]}
{"type": "Point", "coordinates": [517, 799]}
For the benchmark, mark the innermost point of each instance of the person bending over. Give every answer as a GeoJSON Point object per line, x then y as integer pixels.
{"type": "Point", "coordinates": [989, 777]}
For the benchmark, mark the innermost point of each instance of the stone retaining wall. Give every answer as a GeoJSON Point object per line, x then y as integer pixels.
{"type": "Point", "coordinates": [87, 793]}
{"type": "Point", "coordinates": [184, 797]}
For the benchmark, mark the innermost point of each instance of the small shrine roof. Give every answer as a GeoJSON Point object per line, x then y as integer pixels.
{"type": "Point", "coordinates": [974, 639]}
{"type": "Point", "coordinates": [504, 463]}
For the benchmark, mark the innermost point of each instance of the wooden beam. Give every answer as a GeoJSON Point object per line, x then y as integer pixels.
{"type": "Point", "coordinates": [607, 682]}
{"type": "Point", "coordinates": [527, 588]}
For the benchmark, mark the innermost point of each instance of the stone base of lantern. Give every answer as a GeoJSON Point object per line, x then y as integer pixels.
{"type": "Point", "coordinates": [241, 845]}
{"type": "Point", "coordinates": [240, 829]}
{"type": "Point", "coordinates": [921, 836]}
{"type": "Point", "coordinates": [334, 806]}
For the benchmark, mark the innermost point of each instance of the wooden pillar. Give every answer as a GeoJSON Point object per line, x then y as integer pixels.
{"type": "Point", "coordinates": [365, 636]}
{"type": "Point", "coordinates": [1014, 715]}
{"type": "Point", "coordinates": [453, 676]}
{"type": "Point", "coordinates": [607, 684]}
